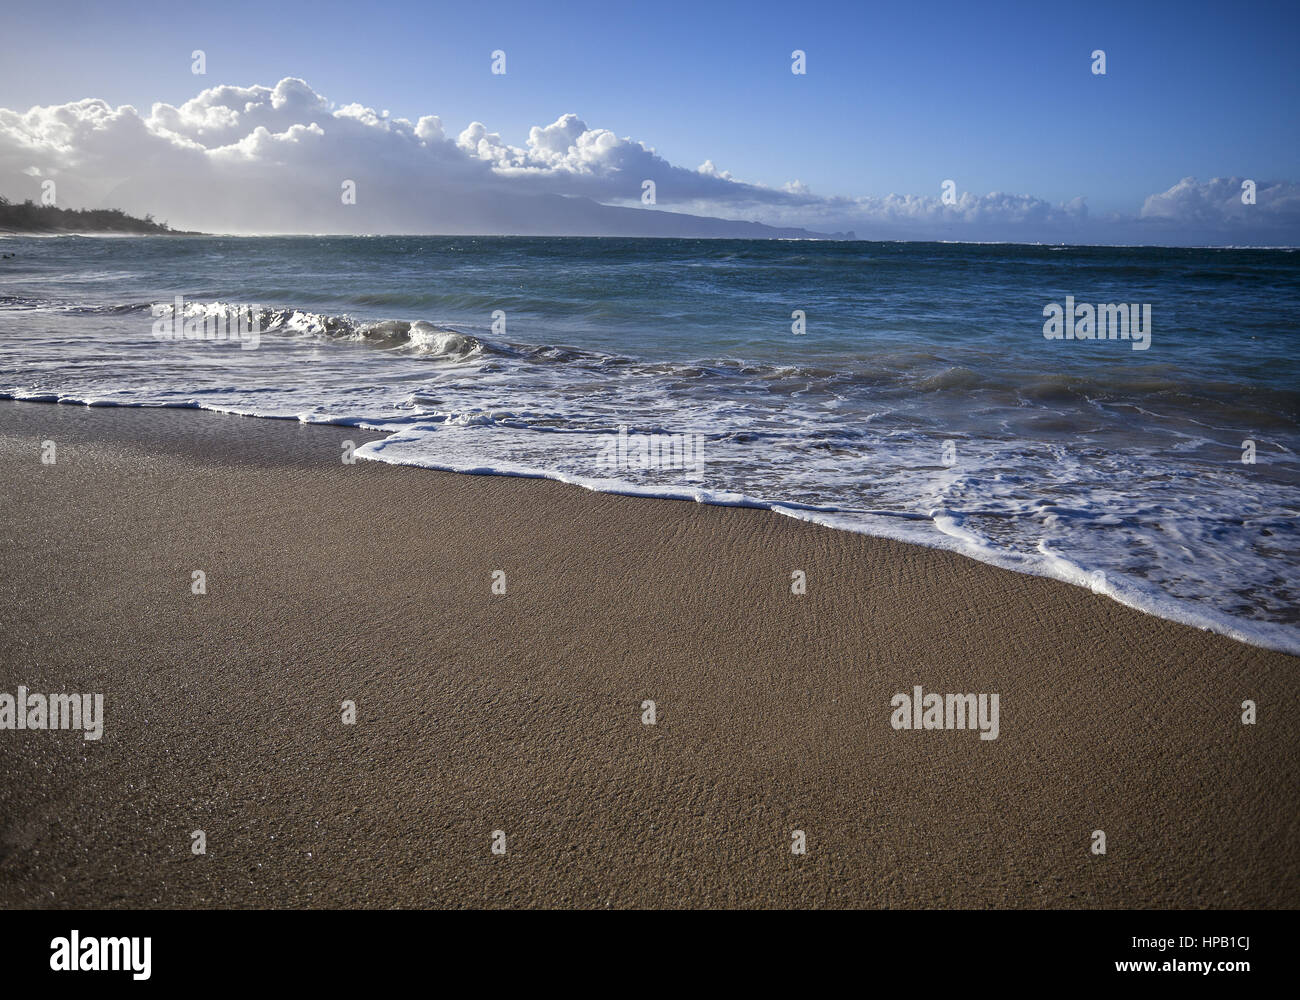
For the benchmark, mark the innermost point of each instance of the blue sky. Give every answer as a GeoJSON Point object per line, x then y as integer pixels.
{"type": "Point", "coordinates": [897, 98]}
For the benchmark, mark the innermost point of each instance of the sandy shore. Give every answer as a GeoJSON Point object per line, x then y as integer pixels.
{"type": "Point", "coordinates": [523, 712]}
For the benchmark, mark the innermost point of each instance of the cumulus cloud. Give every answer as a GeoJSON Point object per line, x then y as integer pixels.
{"type": "Point", "coordinates": [274, 159]}
{"type": "Point", "coordinates": [248, 159]}
{"type": "Point", "coordinates": [569, 157]}
{"type": "Point", "coordinates": [1219, 202]}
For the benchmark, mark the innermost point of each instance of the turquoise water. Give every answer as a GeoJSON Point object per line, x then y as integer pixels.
{"type": "Point", "coordinates": [923, 401]}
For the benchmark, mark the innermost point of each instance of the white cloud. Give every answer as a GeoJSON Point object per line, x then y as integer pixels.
{"type": "Point", "coordinates": [487, 146]}
{"type": "Point", "coordinates": [250, 159]}
{"type": "Point", "coordinates": [1218, 202]}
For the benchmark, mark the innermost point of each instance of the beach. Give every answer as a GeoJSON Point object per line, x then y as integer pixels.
{"type": "Point", "coordinates": [522, 712]}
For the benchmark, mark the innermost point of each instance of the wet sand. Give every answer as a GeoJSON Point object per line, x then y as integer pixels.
{"type": "Point", "coordinates": [479, 712]}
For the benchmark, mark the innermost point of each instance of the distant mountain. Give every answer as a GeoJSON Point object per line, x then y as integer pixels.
{"type": "Point", "coordinates": [288, 204]}
{"type": "Point", "coordinates": [558, 215]}
{"type": "Point", "coordinates": [452, 214]}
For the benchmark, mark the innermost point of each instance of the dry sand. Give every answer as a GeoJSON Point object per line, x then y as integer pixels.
{"type": "Point", "coordinates": [522, 713]}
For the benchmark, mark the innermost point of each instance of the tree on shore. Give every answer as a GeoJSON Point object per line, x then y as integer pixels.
{"type": "Point", "coordinates": [27, 216]}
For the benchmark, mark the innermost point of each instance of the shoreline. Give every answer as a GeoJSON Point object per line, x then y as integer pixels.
{"type": "Point", "coordinates": [523, 711]}
{"type": "Point", "coordinates": [1058, 568]}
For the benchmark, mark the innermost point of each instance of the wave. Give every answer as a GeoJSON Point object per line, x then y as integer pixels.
{"type": "Point", "coordinates": [889, 370]}
{"type": "Point", "coordinates": [417, 336]}
{"type": "Point", "coordinates": [1133, 468]}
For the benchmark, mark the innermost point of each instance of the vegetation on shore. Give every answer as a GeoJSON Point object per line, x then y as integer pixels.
{"type": "Point", "coordinates": [28, 217]}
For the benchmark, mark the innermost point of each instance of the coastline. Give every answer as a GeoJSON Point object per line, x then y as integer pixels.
{"type": "Point", "coordinates": [46, 233]}
{"type": "Point", "coordinates": [522, 711]}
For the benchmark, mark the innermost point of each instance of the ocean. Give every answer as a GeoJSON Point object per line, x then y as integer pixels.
{"type": "Point", "coordinates": [905, 390]}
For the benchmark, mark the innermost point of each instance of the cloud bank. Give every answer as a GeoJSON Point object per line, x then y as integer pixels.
{"type": "Point", "coordinates": [276, 159]}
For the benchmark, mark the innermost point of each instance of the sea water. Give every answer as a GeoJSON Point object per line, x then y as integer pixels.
{"type": "Point", "coordinates": [910, 390]}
